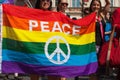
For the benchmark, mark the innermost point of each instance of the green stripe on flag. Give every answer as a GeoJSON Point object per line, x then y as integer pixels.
{"type": "Point", "coordinates": [38, 48]}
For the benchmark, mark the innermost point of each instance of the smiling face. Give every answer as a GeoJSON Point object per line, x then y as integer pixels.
{"type": "Point", "coordinates": [44, 4]}
{"type": "Point", "coordinates": [95, 7]}
{"type": "Point", "coordinates": [62, 5]}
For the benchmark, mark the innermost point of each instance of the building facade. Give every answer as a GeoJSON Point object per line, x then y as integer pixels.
{"type": "Point", "coordinates": [75, 6]}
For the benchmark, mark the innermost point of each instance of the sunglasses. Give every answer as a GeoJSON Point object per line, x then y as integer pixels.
{"type": "Point", "coordinates": [46, 0]}
{"type": "Point", "coordinates": [64, 4]}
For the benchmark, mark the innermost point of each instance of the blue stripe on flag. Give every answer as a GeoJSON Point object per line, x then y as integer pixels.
{"type": "Point", "coordinates": [6, 1]}
{"type": "Point", "coordinates": [41, 59]}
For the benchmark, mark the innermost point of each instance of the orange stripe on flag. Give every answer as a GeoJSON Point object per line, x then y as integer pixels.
{"type": "Point", "coordinates": [24, 24]}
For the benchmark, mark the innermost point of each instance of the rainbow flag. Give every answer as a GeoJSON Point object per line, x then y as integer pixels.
{"type": "Point", "coordinates": [47, 43]}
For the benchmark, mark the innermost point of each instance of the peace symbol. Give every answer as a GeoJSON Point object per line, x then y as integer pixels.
{"type": "Point", "coordinates": [58, 51]}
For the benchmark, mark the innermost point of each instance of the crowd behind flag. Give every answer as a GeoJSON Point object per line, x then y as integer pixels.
{"type": "Point", "coordinates": [47, 43]}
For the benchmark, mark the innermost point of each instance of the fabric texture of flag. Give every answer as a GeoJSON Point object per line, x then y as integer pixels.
{"type": "Point", "coordinates": [47, 43]}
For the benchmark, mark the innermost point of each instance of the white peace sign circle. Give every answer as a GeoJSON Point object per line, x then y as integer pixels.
{"type": "Point", "coordinates": [57, 51]}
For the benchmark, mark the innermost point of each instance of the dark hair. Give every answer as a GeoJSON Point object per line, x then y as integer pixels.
{"type": "Point", "coordinates": [59, 1]}
{"type": "Point", "coordinates": [37, 5]}
{"type": "Point", "coordinates": [86, 11]}
{"type": "Point", "coordinates": [74, 18]}
{"type": "Point", "coordinates": [92, 3]}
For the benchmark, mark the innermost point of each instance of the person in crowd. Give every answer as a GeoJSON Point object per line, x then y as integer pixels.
{"type": "Point", "coordinates": [108, 27]}
{"type": "Point", "coordinates": [45, 5]}
{"type": "Point", "coordinates": [95, 6]}
{"type": "Point", "coordinates": [62, 6]}
{"type": "Point", "coordinates": [86, 11]}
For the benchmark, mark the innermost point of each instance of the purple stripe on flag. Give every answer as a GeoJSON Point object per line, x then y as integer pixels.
{"type": "Point", "coordinates": [65, 71]}
{"type": "Point", "coordinates": [11, 1]}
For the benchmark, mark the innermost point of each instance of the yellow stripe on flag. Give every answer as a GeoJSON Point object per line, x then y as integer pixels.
{"type": "Point", "coordinates": [37, 36]}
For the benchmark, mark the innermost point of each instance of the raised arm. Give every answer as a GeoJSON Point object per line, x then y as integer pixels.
{"type": "Point", "coordinates": [107, 7]}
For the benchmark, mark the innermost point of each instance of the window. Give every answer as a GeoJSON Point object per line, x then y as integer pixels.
{"type": "Point", "coordinates": [56, 2]}
{"type": "Point", "coordinates": [111, 2]}
{"type": "Point", "coordinates": [75, 3]}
